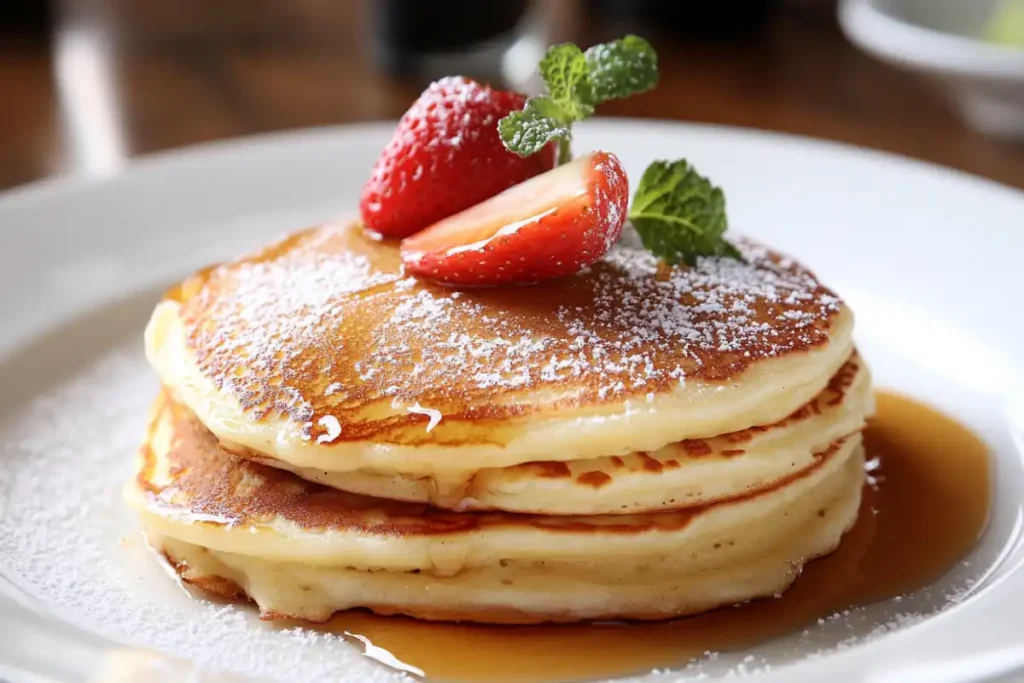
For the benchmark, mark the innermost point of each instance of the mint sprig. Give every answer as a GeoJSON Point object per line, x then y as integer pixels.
{"type": "Point", "coordinates": [567, 77]}
{"type": "Point", "coordinates": [622, 68]}
{"type": "Point", "coordinates": [680, 215]}
{"type": "Point", "coordinates": [576, 82]}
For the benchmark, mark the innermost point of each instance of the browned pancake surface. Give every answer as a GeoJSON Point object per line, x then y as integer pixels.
{"type": "Point", "coordinates": [325, 322]}
{"type": "Point", "coordinates": [724, 446]}
{"type": "Point", "coordinates": [216, 487]}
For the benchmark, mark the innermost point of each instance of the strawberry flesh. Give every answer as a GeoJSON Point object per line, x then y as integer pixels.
{"type": "Point", "coordinates": [546, 227]}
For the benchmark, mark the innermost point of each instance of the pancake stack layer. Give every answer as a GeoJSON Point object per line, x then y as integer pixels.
{"type": "Point", "coordinates": [627, 442]}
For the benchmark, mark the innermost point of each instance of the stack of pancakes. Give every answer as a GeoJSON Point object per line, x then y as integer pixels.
{"type": "Point", "coordinates": [632, 441]}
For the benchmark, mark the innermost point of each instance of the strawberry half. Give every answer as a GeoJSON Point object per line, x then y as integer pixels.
{"type": "Point", "coordinates": [445, 156]}
{"type": "Point", "coordinates": [546, 227]}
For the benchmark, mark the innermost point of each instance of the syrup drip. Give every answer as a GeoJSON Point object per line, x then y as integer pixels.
{"type": "Point", "coordinates": [923, 510]}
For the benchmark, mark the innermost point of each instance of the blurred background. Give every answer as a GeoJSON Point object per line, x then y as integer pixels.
{"type": "Point", "coordinates": [87, 84]}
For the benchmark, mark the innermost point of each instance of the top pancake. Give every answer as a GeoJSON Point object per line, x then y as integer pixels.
{"type": "Point", "coordinates": [322, 330]}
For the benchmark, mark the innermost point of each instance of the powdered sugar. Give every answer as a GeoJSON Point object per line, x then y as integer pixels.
{"type": "Point", "coordinates": [65, 531]}
{"type": "Point", "coordinates": [332, 429]}
{"type": "Point", "coordinates": [328, 320]}
{"type": "Point", "coordinates": [697, 312]}
{"type": "Point", "coordinates": [433, 414]}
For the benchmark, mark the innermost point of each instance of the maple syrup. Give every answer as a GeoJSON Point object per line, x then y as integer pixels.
{"type": "Point", "coordinates": [924, 508]}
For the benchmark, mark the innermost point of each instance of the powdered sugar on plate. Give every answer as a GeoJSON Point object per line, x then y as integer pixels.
{"type": "Point", "coordinates": [66, 534]}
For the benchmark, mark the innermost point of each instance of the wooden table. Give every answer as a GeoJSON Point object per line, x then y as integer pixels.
{"type": "Point", "coordinates": [166, 74]}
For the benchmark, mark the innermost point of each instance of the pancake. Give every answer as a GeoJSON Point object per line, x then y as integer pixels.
{"type": "Point", "coordinates": [304, 551]}
{"type": "Point", "coordinates": [690, 473]}
{"type": "Point", "coordinates": [319, 352]}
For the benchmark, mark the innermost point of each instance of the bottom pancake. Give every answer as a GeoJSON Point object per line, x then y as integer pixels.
{"type": "Point", "coordinates": [305, 551]}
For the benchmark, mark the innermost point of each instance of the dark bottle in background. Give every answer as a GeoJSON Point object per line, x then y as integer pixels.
{"type": "Point", "coordinates": [30, 18]}
{"type": "Point", "coordinates": [426, 39]}
{"type": "Point", "coordinates": [683, 17]}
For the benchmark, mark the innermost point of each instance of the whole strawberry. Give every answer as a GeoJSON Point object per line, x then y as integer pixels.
{"type": "Point", "coordinates": [445, 156]}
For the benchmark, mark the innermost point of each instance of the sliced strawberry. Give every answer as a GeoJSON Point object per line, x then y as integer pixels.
{"type": "Point", "coordinates": [549, 226]}
{"type": "Point", "coordinates": [445, 156]}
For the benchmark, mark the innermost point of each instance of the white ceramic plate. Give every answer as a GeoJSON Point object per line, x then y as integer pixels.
{"type": "Point", "coordinates": [930, 259]}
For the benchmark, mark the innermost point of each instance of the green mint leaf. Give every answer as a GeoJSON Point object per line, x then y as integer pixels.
{"type": "Point", "coordinates": [679, 214]}
{"type": "Point", "coordinates": [621, 68]}
{"type": "Point", "coordinates": [565, 72]}
{"type": "Point", "coordinates": [540, 121]}
{"type": "Point", "coordinates": [728, 249]}
{"type": "Point", "coordinates": [576, 81]}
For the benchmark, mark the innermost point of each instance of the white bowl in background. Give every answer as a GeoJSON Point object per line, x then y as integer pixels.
{"type": "Point", "coordinates": [942, 40]}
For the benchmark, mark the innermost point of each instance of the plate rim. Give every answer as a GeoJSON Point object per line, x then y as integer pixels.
{"type": "Point", "coordinates": [71, 181]}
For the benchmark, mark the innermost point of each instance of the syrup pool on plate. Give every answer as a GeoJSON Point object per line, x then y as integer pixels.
{"type": "Point", "coordinates": [925, 505]}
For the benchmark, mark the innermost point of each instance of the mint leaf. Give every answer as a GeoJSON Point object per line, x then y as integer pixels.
{"type": "Point", "coordinates": [679, 214]}
{"type": "Point", "coordinates": [621, 68]}
{"type": "Point", "coordinates": [540, 121]}
{"type": "Point", "coordinates": [566, 74]}
{"type": "Point", "coordinates": [576, 81]}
